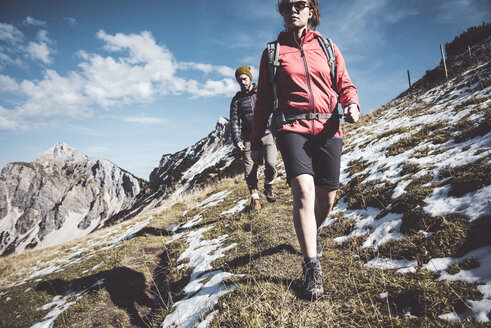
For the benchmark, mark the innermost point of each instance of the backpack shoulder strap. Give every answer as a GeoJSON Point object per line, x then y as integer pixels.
{"type": "Point", "coordinates": [326, 45]}
{"type": "Point", "coordinates": [273, 64]}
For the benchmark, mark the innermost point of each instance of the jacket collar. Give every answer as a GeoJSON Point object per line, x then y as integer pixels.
{"type": "Point", "coordinates": [253, 90]}
{"type": "Point", "coordinates": [287, 37]}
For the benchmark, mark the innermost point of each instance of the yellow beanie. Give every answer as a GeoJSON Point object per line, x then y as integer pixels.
{"type": "Point", "coordinates": [243, 70]}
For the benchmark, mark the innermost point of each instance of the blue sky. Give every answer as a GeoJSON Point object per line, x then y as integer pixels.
{"type": "Point", "coordinates": [130, 81]}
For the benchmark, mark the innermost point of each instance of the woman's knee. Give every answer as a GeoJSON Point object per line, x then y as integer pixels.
{"type": "Point", "coordinates": [303, 187]}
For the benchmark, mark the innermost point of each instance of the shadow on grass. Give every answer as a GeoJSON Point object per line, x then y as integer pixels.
{"type": "Point", "coordinates": [248, 258]}
{"type": "Point", "coordinates": [292, 284]}
{"type": "Point", "coordinates": [125, 286]}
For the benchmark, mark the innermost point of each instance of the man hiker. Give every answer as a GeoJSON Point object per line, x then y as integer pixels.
{"type": "Point", "coordinates": [241, 113]}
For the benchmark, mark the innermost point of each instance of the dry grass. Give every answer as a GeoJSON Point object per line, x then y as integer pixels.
{"type": "Point", "coordinates": [267, 262]}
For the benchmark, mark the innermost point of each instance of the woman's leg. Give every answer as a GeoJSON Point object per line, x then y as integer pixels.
{"type": "Point", "coordinates": [324, 201]}
{"type": "Point", "coordinates": [303, 191]}
{"type": "Point", "coordinates": [327, 162]}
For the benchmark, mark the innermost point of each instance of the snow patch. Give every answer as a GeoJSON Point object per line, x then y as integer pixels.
{"type": "Point", "coordinates": [206, 285]}
{"type": "Point", "coordinates": [473, 205]}
{"type": "Point", "coordinates": [214, 199]}
{"type": "Point", "coordinates": [239, 207]}
{"type": "Point", "coordinates": [480, 275]}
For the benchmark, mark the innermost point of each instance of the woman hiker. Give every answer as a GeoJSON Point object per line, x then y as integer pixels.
{"type": "Point", "coordinates": [308, 134]}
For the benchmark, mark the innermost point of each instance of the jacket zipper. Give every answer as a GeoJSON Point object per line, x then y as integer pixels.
{"type": "Point", "coordinates": [307, 77]}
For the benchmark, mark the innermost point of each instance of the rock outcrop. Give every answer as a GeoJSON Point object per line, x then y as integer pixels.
{"type": "Point", "coordinates": [212, 157]}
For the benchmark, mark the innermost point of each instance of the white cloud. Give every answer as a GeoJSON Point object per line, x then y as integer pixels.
{"type": "Point", "coordinates": [10, 33]}
{"type": "Point", "coordinates": [43, 37]}
{"type": "Point", "coordinates": [6, 121]}
{"type": "Point", "coordinates": [7, 84]}
{"type": "Point", "coordinates": [211, 88]}
{"type": "Point", "coordinates": [71, 21]}
{"type": "Point", "coordinates": [55, 96]}
{"type": "Point", "coordinates": [39, 51]}
{"type": "Point", "coordinates": [10, 40]}
{"type": "Point", "coordinates": [14, 49]}
{"type": "Point", "coordinates": [362, 18]}
{"type": "Point", "coordinates": [34, 22]}
{"type": "Point", "coordinates": [135, 70]}
{"type": "Point", "coordinates": [360, 23]}
{"type": "Point", "coordinates": [208, 69]}
{"type": "Point", "coordinates": [144, 120]}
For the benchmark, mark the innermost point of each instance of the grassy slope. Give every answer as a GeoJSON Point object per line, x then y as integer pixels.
{"type": "Point", "coordinates": [267, 256]}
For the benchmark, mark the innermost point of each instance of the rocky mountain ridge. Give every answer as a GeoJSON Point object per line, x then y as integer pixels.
{"type": "Point", "coordinates": [61, 195]}
{"type": "Point", "coordinates": [211, 158]}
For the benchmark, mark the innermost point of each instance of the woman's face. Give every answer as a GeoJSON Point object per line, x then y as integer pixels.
{"type": "Point", "coordinates": [296, 14]}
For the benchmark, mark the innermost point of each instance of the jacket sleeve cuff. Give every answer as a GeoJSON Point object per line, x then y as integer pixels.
{"type": "Point", "coordinates": [353, 103]}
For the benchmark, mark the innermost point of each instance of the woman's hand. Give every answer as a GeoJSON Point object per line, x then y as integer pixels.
{"type": "Point", "coordinates": [351, 113]}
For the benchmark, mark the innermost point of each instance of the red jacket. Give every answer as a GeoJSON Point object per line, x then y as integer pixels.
{"type": "Point", "coordinates": [303, 85]}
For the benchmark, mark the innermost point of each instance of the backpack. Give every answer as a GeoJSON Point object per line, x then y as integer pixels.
{"type": "Point", "coordinates": [282, 117]}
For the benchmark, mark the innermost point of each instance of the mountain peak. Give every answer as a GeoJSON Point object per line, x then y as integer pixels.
{"type": "Point", "coordinates": [222, 120]}
{"type": "Point", "coordinates": [60, 147]}
{"type": "Point", "coordinates": [61, 152]}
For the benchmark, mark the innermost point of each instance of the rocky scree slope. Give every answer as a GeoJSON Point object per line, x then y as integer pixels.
{"type": "Point", "coordinates": [60, 196]}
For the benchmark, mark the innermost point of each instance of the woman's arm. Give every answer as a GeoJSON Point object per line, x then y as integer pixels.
{"type": "Point", "coordinates": [264, 104]}
{"type": "Point", "coordinates": [347, 91]}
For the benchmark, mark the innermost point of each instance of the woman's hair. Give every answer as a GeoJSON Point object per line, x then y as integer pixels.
{"type": "Point", "coordinates": [315, 20]}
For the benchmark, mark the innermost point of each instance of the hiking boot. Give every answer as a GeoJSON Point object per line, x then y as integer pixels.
{"type": "Point", "coordinates": [268, 192]}
{"type": "Point", "coordinates": [255, 205]}
{"type": "Point", "coordinates": [311, 288]}
{"type": "Point", "coordinates": [319, 244]}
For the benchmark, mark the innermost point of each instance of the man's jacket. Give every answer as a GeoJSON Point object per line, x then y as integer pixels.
{"type": "Point", "coordinates": [304, 85]}
{"type": "Point", "coordinates": [241, 112]}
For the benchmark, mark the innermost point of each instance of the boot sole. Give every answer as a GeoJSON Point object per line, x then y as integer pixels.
{"type": "Point", "coordinates": [313, 296]}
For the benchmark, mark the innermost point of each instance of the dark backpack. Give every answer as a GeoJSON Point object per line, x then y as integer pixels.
{"type": "Point", "coordinates": [282, 117]}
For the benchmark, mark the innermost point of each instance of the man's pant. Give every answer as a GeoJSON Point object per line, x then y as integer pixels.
{"type": "Point", "coordinates": [269, 154]}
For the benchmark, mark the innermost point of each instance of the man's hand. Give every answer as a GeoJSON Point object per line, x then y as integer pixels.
{"type": "Point", "coordinates": [240, 145]}
{"type": "Point", "coordinates": [351, 113]}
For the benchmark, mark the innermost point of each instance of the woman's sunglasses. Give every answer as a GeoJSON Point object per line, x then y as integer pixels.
{"type": "Point", "coordinates": [286, 7]}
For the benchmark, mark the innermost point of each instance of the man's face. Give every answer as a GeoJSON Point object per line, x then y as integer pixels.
{"type": "Point", "coordinates": [244, 82]}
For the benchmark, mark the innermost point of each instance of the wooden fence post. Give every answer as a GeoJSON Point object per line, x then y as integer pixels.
{"type": "Point", "coordinates": [409, 79]}
{"type": "Point", "coordinates": [444, 63]}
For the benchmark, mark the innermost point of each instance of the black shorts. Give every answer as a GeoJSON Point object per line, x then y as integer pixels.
{"type": "Point", "coordinates": [314, 155]}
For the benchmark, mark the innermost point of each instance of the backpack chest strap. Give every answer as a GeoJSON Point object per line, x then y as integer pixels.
{"type": "Point", "coordinates": [282, 117]}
